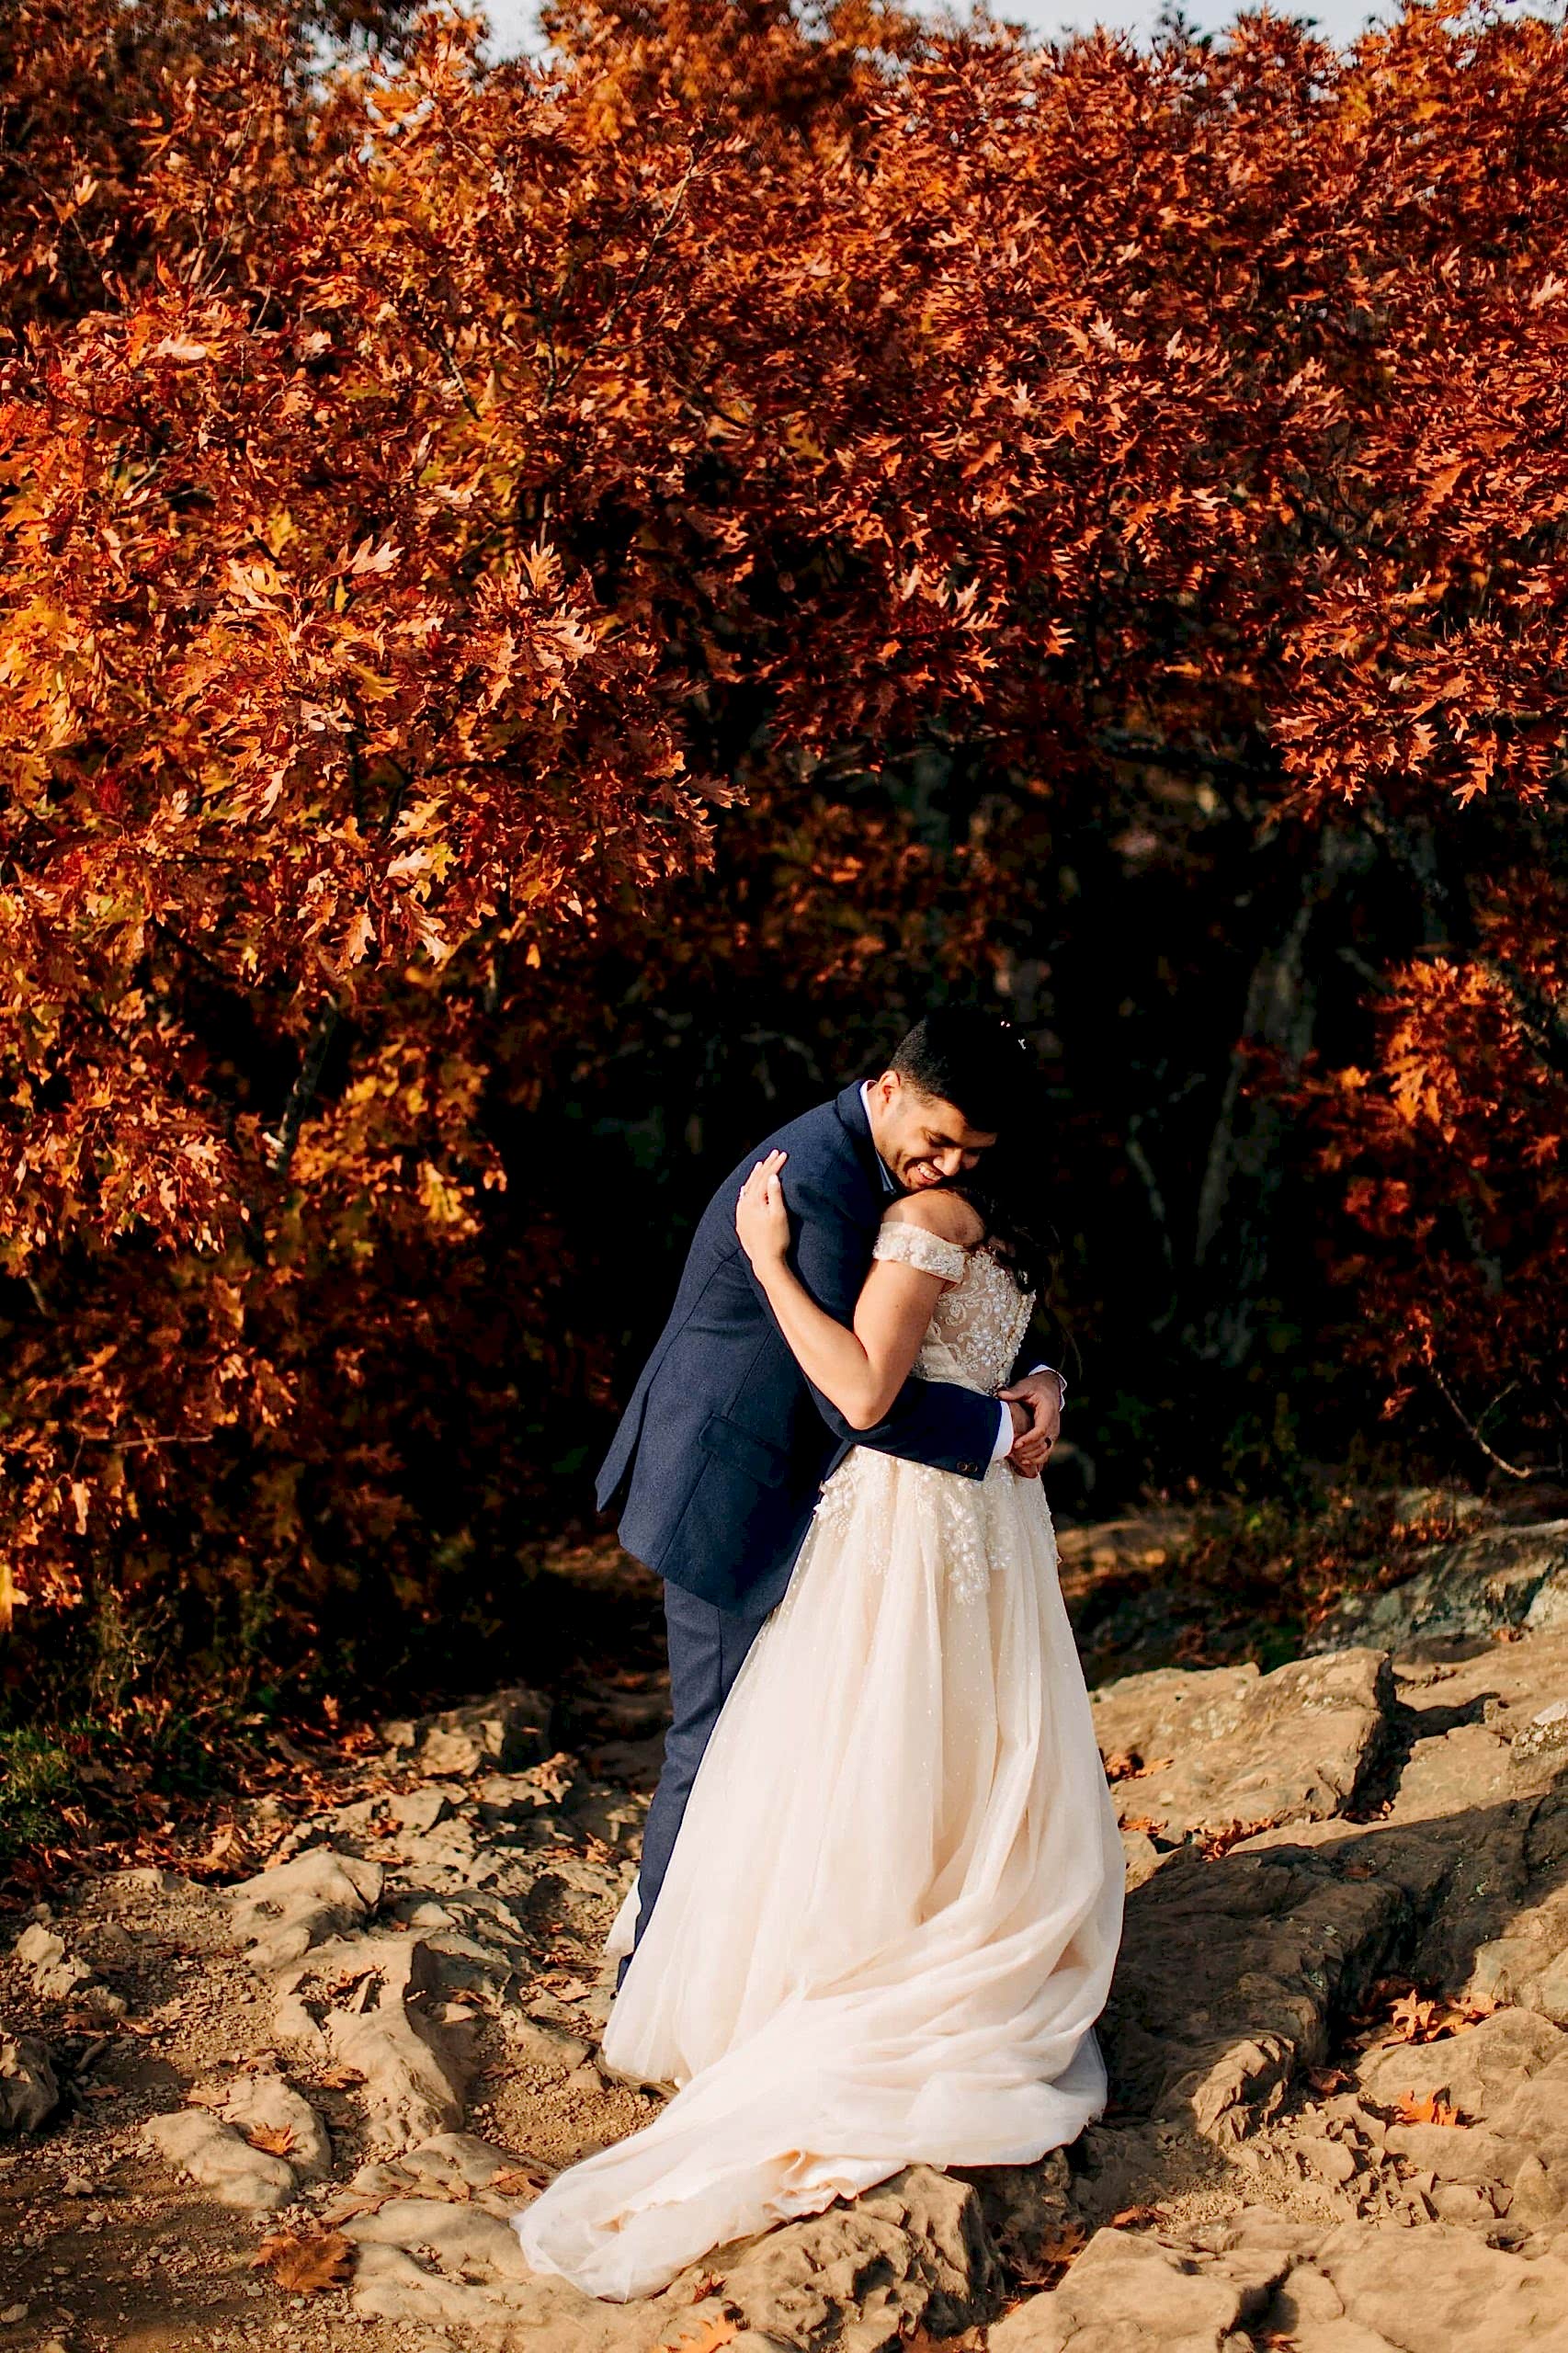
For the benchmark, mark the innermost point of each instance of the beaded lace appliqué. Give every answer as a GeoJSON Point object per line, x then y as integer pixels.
{"type": "Point", "coordinates": [975, 1332]}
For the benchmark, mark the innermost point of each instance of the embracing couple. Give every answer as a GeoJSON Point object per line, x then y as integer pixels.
{"type": "Point", "coordinates": [882, 1882]}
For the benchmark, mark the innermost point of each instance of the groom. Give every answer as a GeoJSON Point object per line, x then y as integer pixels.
{"type": "Point", "coordinates": [721, 1454]}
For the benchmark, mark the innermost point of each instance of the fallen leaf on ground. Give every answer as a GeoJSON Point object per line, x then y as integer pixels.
{"type": "Point", "coordinates": [347, 1981]}
{"type": "Point", "coordinates": [1125, 1765]}
{"type": "Point", "coordinates": [1433, 2109]}
{"type": "Point", "coordinates": [355, 2202]}
{"type": "Point", "coordinates": [1060, 2245]}
{"type": "Point", "coordinates": [553, 1777]}
{"type": "Point", "coordinates": [230, 1850]}
{"type": "Point", "coordinates": [709, 2335]}
{"type": "Point", "coordinates": [1212, 1844]}
{"type": "Point", "coordinates": [1058, 2250]}
{"type": "Point", "coordinates": [1133, 2218]}
{"type": "Point", "coordinates": [514, 2180]}
{"type": "Point", "coordinates": [276, 2140]}
{"type": "Point", "coordinates": [304, 2266]}
{"type": "Point", "coordinates": [1412, 2019]}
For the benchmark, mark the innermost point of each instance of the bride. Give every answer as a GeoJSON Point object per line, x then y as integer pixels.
{"type": "Point", "coordinates": [892, 1910]}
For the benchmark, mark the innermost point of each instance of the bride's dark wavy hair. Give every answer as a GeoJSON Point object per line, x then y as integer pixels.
{"type": "Point", "coordinates": [986, 1070]}
{"type": "Point", "coordinates": [1005, 1189]}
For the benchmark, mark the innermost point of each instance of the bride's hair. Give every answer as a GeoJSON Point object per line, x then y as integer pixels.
{"type": "Point", "coordinates": [1005, 1189]}
{"type": "Point", "coordinates": [985, 1069]}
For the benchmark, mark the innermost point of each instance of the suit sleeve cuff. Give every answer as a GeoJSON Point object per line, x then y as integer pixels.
{"type": "Point", "coordinates": [1003, 1445]}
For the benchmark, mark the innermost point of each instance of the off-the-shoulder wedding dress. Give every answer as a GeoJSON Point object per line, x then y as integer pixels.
{"type": "Point", "coordinates": [889, 1920]}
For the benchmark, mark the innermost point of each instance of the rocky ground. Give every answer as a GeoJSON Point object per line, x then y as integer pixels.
{"type": "Point", "coordinates": [297, 2105]}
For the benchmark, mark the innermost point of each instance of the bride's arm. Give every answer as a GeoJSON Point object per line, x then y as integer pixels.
{"type": "Point", "coordinates": [860, 1370]}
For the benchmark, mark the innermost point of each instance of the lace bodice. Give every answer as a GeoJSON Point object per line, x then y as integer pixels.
{"type": "Point", "coordinates": [977, 1326]}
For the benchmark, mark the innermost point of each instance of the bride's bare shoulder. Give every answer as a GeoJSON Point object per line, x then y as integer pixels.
{"type": "Point", "coordinates": [935, 1211]}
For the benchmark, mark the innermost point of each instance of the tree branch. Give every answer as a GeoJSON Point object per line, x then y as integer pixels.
{"type": "Point", "coordinates": [302, 1093]}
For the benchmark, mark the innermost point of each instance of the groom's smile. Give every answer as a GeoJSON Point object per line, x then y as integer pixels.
{"type": "Point", "coordinates": [920, 1139]}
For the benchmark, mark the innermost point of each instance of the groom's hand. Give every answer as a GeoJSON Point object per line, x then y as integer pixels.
{"type": "Point", "coordinates": [1038, 1400]}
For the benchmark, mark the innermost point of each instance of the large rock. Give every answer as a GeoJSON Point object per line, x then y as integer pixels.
{"type": "Point", "coordinates": [280, 1915]}
{"type": "Point", "coordinates": [1478, 2072]}
{"type": "Point", "coordinates": [1545, 1736]}
{"type": "Point", "coordinates": [267, 2104]}
{"type": "Point", "coordinates": [1229, 1975]}
{"type": "Point", "coordinates": [1497, 1579]}
{"type": "Point", "coordinates": [220, 2160]}
{"type": "Point", "coordinates": [435, 2251]}
{"type": "Point", "coordinates": [1133, 2295]}
{"type": "Point", "coordinates": [1441, 2289]}
{"type": "Point", "coordinates": [465, 2239]}
{"type": "Point", "coordinates": [1535, 2115]}
{"type": "Point", "coordinates": [414, 2067]}
{"type": "Point", "coordinates": [861, 2277]}
{"type": "Point", "coordinates": [494, 1735]}
{"type": "Point", "coordinates": [56, 1973]}
{"type": "Point", "coordinates": [911, 2254]}
{"type": "Point", "coordinates": [1026, 2211]}
{"type": "Point", "coordinates": [1231, 1744]}
{"type": "Point", "coordinates": [29, 2093]}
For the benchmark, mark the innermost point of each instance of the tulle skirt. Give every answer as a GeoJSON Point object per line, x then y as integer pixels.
{"type": "Point", "coordinates": [891, 1918]}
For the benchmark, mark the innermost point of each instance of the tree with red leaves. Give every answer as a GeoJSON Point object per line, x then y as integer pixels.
{"type": "Point", "coordinates": [541, 594]}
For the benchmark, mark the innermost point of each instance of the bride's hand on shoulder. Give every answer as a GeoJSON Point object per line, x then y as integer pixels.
{"type": "Point", "coordinates": [761, 1218]}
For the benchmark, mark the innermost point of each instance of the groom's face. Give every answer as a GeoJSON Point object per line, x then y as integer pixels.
{"type": "Point", "coordinates": [922, 1140]}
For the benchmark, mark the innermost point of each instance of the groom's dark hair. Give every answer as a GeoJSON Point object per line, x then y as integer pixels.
{"type": "Point", "coordinates": [968, 1059]}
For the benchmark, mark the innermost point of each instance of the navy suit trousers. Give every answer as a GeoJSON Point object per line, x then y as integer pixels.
{"type": "Point", "coordinates": [707, 1648]}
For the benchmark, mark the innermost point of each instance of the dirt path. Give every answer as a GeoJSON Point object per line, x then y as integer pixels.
{"type": "Point", "coordinates": [1338, 2041]}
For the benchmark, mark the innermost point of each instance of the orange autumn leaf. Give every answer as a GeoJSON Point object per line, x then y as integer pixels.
{"type": "Point", "coordinates": [1125, 1765]}
{"type": "Point", "coordinates": [1412, 2019]}
{"type": "Point", "coordinates": [276, 2140]}
{"type": "Point", "coordinates": [305, 2263]}
{"type": "Point", "coordinates": [1431, 2108]}
{"type": "Point", "coordinates": [707, 2336]}
{"type": "Point", "coordinates": [519, 2180]}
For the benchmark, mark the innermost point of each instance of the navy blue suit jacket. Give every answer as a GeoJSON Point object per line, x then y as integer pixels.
{"type": "Point", "coordinates": [720, 1455]}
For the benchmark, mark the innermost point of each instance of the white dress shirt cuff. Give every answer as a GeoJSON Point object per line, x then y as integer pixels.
{"type": "Point", "coordinates": [1003, 1446]}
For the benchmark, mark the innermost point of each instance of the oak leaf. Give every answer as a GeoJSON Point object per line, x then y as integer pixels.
{"type": "Point", "coordinates": [1431, 2108]}
{"type": "Point", "coordinates": [1412, 2019]}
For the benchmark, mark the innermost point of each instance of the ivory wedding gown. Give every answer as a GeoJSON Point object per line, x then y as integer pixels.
{"type": "Point", "coordinates": [890, 1916]}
